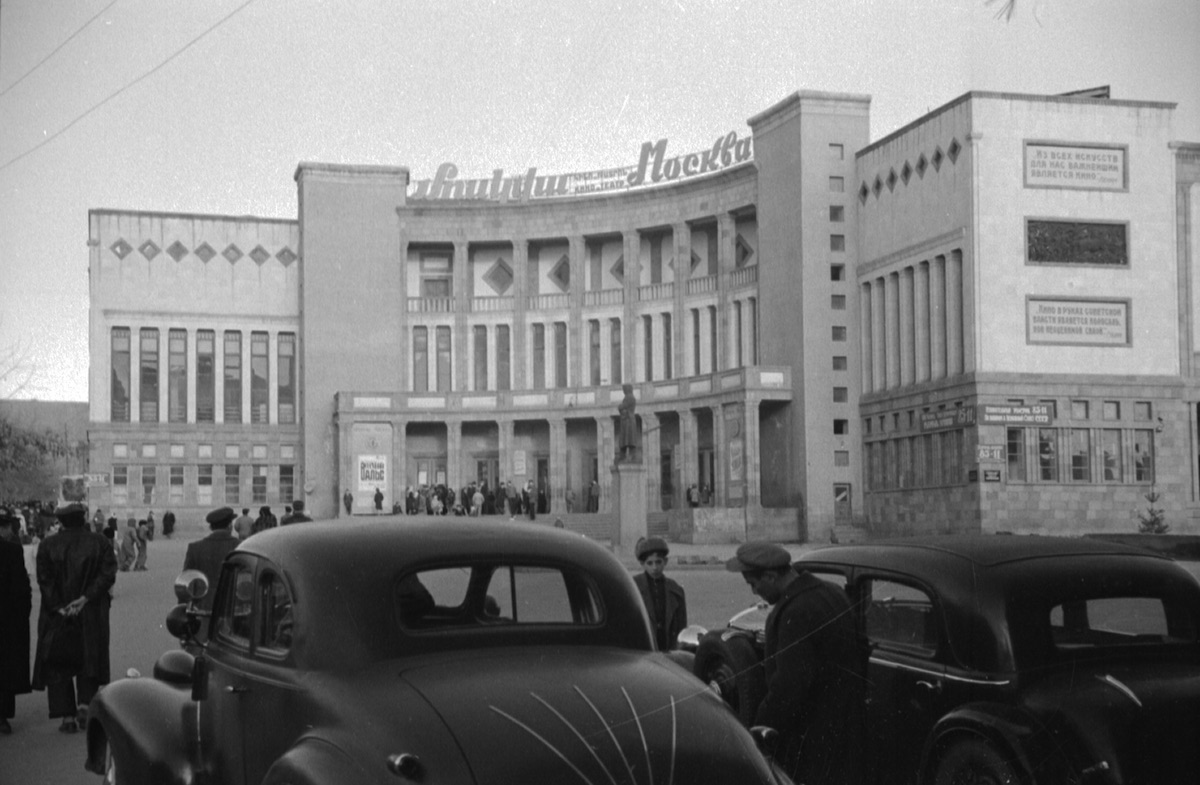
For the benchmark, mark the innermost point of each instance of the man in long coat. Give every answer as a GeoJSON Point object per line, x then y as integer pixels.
{"type": "Point", "coordinates": [16, 601]}
{"type": "Point", "coordinates": [664, 599]}
{"type": "Point", "coordinates": [76, 570]}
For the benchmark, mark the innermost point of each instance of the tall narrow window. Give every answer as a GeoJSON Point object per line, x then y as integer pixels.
{"type": "Point", "coordinates": [737, 333]}
{"type": "Point", "coordinates": [539, 357]}
{"type": "Point", "coordinates": [149, 479]}
{"type": "Point", "coordinates": [206, 376]}
{"type": "Point", "coordinates": [481, 357]}
{"type": "Point", "coordinates": [614, 354]}
{"type": "Point", "coordinates": [560, 354]}
{"type": "Point", "coordinates": [258, 484]}
{"type": "Point", "coordinates": [420, 359]}
{"type": "Point", "coordinates": [1081, 455]}
{"type": "Point", "coordinates": [148, 361]}
{"type": "Point", "coordinates": [695, 341]}
{"type": "Point", "coordinates": [443, 359]}
{"type": "Point", "coordinates": [594, 352]}
{"type": "Point", "coordinates": [286, 372]}
{"type": "Point", "coordinates": [175, 488]}
{"type": "Point", "coordinates": [177, 392]}
{"type": "Point", "coordinates": [668, 355]}
{"type": "Point", "coordinates": [712, 339]}
{"type": "Point", "coordinates": [204, 484]}
{"type": "Point", "coordinates": [233, 482]}
{"type": "Point", "coordinates": [503, 358]}
{"type": "Point", "coordinates": [1016, 455]}
{"type": "Point", "coordinates": [1048, 454]}
{"type": "Point", "coordinates": [233, 377]}
{"type": "Point", "coordinates": [1143, 456]}
{"type": "Point", "coordinates": [120, 374]}
{"type": "Point", "coordinates": [260, 383]}
{"type": "Point", "coordinates": [648, 344]}
{"type": "Point", "coordinates": [752, 304]}
{"type": "Point", "coordinates": [287, 484]}
{"type": "Point", "coordinates": [1110, 446]}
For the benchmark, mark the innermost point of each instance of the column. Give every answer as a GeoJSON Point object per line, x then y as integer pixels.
{"type": "Point", "coordinates": [720, 457]}
{"type": "Point", "coordinates": [403, 352]}
{"type": "Point", "coordinates": [517, 335]}
{"type": "Point", "coordinates": [461, 341]}
{"type": "Point", "coordinates": [866, 338]}
{"type": "Point", "coordinates": [605, 450]}
{"type": "Point", "coordinates": [454, 455]}
{"type": "Point", "coordinates": [681, 326]}
{"type": "Point", "coordinates": [399, 460]}
{"type": "Point", "coordinates": [345, 467]}
{"type": "Point", "coordinates": [921, 321]}
{"type": "Point", "coordinates": [652, 457]}
{"type": "Point", "coordinates": [505, 440]}
{"type": "Point", "coordinates": [954, 314]}
{"type": "Point", "coordinates": [907, 337]}
{"type": "Point", "coordinates": [752, 454]}
{"type": "Point", "coordinates": [726, 259]}
{"type": "Point", "coordinates": [558, 466]}
{"type": "Point", "coordinates": [937, 318]}
{"type": "Point", "coordinates": [577, 370]}
{"type": "Point", "coordinates": [878, 347]}
{"type": "Point", "coordinates": [891, 308]}
{"type": "Point", "coordinates": [689, 447]}
{"type": "Point", "coordinates": [630, 329]}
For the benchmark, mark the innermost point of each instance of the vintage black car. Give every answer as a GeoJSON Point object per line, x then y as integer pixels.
{"type": "Point", "coordinates": [1006, 659]}
{"type": "Point", "coordinates": [447, 652]}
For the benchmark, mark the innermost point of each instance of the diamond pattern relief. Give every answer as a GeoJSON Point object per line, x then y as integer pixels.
{"type": "Point", "coordinates": [937, 158]}
{"type": "Point", "coordinates": [891, 181]}
{"type": "Point", "coordinates": [863, 192]}
{"type": "Point", "coordinates": [906, 173]}
{"type": "Point", "coordinates": [742, 252]}
{"type": "Point", "coordinates": [618, 268]}
{"type": "Point", "coordinates": [205, 252]}
{"type": "Point", "coordinates": [696, 260]}
{"type": "Point", "coordinates": [953, 150]}
{"type": "Point", "coordinates": [499, 276]}
{"type": "Point", "coordinates": [260, 255]}
{"type": "Point", "coordinates": [149, 250]}
{"type": "Point", "coordinates": [232, 253]}
{"type": "Point", "coordinates": [877, 187]}
{"type": "Point", "coordinates": [121, 249]}
{"type": "Point", "coordinates": [922, 165]}
{"type": "Point", "coordinates": [286, 256]}
{"type": "Point", "coordinates": [177, 251]}
{"type": "Point", "coordinates": [560, 273]}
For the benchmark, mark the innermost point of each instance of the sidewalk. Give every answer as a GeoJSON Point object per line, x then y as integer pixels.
{"type": "Point", "coordinates": [685, 556]}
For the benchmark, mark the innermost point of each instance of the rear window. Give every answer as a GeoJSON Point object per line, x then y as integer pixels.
{"type": "Point", "coordinates": [1118, 621]}
{"type": "Point", "coordinates": [495, 595]}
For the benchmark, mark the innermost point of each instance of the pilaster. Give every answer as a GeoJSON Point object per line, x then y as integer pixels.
{"type": "Point", "coordinates": [558, 465]}
{"type": "Point", "coordinates": [518, 334]}
{"type": "Point", "coordinates": [726, 259]}
{"type": "Point", "coordinates": [462, 307]}
{"type": "Point", "coordinates": [652, 452]}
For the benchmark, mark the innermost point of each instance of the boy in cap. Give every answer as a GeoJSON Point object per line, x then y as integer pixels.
{"type": "Point", "coordinates": [208, 554]}
{"type": "Point", "coordinates": [665, 600]}
{"type": "Point", "coordinates": [814, 671]}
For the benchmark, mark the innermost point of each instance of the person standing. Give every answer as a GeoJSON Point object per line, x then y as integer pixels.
{"type": "Point", "coordinates": [477, 502]}
{"type": "Point", "coordinates": [665, 600]}
{"type": "Point", "coordinates": [243, 526]}
{"type": "Point", "coordinates": [129, 545]}
{"type": "Point", "coordinates": [378, 500]}
{"type": "Point", "coordinates": [594, 497]}
{"type": "Point", "coordinates": [348, 500]}
{"type": "Point", "coordinates": [208, 554]}
{"type": "Point", "coordinates": [143, 541]}
{"type": "Point", "coordinates": [297, 515]}
{"type": "Point", "coordinates": [265, 520]}
{"type": "Point", "coordinates": [16, 602]}
{"type": "Point", "coordinates": [168, 524]}
{"type": "Point", "coordinates": [150, 525]}
{"type": "Point", "coordinates": [98, 521]}
{"type": "Point", "coordinates": [814, 667]}
{"type": "Point", "coordinates": [76, 570]}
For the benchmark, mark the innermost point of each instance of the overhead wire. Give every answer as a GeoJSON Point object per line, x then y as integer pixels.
{"type": "Point", "coordinates": [56, 49]}
{"type": "Point", "coordinates": [128, 85]}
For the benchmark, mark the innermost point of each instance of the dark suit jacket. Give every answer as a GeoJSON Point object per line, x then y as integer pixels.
{"type": "Point", "coordinates": [207, 555]}
{"type": "Point", "coordinates": [676, 608]}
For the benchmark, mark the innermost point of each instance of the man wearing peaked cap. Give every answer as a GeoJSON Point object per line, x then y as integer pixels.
{"type": "Point", "coordinates": [208, 554]}
{"type": "Point", "coordinates": [813, 665]}
{"type": "Point", "coordinates": [664, 599]}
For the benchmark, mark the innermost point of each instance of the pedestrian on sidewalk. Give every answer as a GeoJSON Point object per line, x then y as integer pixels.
{"type": "Point", "coordinates": [16, 603]}
{"type": "Point", "coordinates": [665, 600]}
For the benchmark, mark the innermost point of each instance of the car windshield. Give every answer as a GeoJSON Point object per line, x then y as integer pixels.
{"type": "Point", "coordinates": [489, 595]}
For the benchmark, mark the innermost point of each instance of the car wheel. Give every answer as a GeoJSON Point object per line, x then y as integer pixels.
{"type": "Point", "coordinates": [975, 762]}
{"type": "Point", "coordinates": [733, 670]}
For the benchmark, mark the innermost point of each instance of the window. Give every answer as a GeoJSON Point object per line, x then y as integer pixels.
{"type": "Point", "coordinates": [837, 151]}
{"type": "Point", "coordinates": [1077, 242]}
{"type": "Point", "coordinates": [481, 357]}
{"type": "Point", "coordinates": [204, 450]}
{"type": "Point", "coordinates": [204, 481]}
{"type": "Point", "coordinates": [206, 376]}
{"type": "Point", "coordinates": [560, 354]}
{"type": "Point", "coordinates": [233, 483]}
{"type": "Point", "coordinates": [233, 377]}
{"type": "Point", "coordinates": [275, 615]}
{"type": "Point", "coordinates": [503, 353]}
{"type": "Point", "coordinates": [258, 484]}
{"type": "Point", "coordinates": [539, 356]}
{"type": "Point", "coordinates": [841, 427]}
{"type": "Point", "coordinates": [1016, 455]}
{"type": "Point", "coordinates": [1079, 410]}
{"type": "Point", "coordinates": [837, 272]}
{"type": "Point", "coordinates": [149, 476]}
{"type": "Point", "coordinates": [1047, 454]}
{"type": "Point", "coordinates": [837, 213]}
{"type": "Point", "coordinates": [120, 450]}
{"type": "Point", "coordinates": [149, 450]}
{"type": "Point", "coordinates": [420, 359]}
{"type": "Point", "coordinates": [840, 394]}
{"type": "Point", "coordinates": [1111, 410]}
{"type": "Point", "coordinates": [120, 374]}
{"type": "Point", "coordinates": [176, 485]}
{"type": "Point", "coordinates": [120, 481]}
{"type": "Point", "coordinates": [287, 484]}
{"type": "Point", "coordinates": [695, 341]}
{"type": "Point", "coordinates": [752, 304]}
{"type": "Point", "coordinates": [148, 363]}
{"type": "Point", "coordinates": [233, 618]}
{"type": "Point", "coordinates": [839, 363]}
{"type": "Point", "coordinates": [286, 354]}
{"type": "Point", "coordinates": [837, 302]}
{"type": "Point", "coordinates": [1142, 411]}
{"type": "Point", "coordinates": [837, 184]}
{"type": "Point", "coordinates": [614, 335]}
{"type": "Point", "coordinates": [443, 359]}
{"type": "Point", "coordinates": [648, 346]}
{"type": "Point", "coordinates": [900, 618]}
{"type": "Point", "coordinates": [1110, 448]}
{"type": "Point", "coordinates": [841, 457]}
{"type": "Point", "coordinates": [1081, 455]}
{"type": "Point", "coordinates": [259, 381]}
{"type": "Point", "coordinates": [594, 352]}
{"type": "Point", "coordinates": [839, 333]}
{"type": "Point", "coordinates": [259, 452]}
{"type": "Point", "coordinates": [177, 380]}
{"type": "Point", "coordinates": [737, 333]}
{"type": "Point", "coordinates": [1143, 456]}
{"type": "Point", "coordinates": [668, 364]}
{"type": "Point", "coordinates": [231, 452]}
{"type": "Point", "coordinates": [1119, 621]}
{"type": "Point", "coordinates": [837, 242]}
{"type": "Point", "coordinates": [712, 337]}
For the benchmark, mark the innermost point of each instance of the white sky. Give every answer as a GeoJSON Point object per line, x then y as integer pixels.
{"type": "Point", "coordinates": [563, 85]}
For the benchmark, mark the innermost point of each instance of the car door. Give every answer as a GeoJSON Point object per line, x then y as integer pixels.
{"type": "Point", "coordinates": [228, 650]}
{"type": "Point", "coordinates": [903, 628]}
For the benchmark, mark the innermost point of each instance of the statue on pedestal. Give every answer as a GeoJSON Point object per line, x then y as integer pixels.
{"type": "Point", "coordinates": [627, 435]}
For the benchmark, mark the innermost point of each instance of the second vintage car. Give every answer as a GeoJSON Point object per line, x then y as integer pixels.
{"type": "Point", "coordinates": [1006, 659]}
{"type": "Point", "coordinates": [443, 652]}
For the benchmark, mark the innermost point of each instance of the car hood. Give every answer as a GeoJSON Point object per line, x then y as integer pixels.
{"type": "Point", "coordinates": [600, 715]}
{"type": "Point", "coordinates": [1138, 718]}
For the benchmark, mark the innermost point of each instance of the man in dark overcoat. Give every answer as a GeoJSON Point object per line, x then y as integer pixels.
{"type": "Point", "coordinates": [76, 570]}
{"type": "Point", "coordinates": [664, 599]}
{"type": "Point", "coordinates": [16, 601]}
{"type": "Point", "coordinates": [816, 680]}
{"type": "Point", "coordinates": [208, 554]}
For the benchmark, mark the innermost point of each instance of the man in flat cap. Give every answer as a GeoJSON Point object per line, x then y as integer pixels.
{"type": "Point", "coordinates": [76, 570]}
{"type": "Point", "coordinates": [209, 553]}
{"type": "Point", "coordinates": [814, 668]}
{"type": "Point", "coordinates": [665, 600]}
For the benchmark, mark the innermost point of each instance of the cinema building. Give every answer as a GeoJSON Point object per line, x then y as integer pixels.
{"type": "Point", "coordinates": [982, 321]}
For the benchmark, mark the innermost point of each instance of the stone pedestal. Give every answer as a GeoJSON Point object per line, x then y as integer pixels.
{"type": "Point", "coordinates": [629, 496]}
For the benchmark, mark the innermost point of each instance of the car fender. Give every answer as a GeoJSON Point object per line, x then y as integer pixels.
{"type": "Point", "coordinates": [315, 761]}
{"type": "Point", "coordinates": [1014, 733]}
{"type": "Point", "coordinates": [151, 729]}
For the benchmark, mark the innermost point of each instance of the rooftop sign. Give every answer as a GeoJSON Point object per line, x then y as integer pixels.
{"type": "Point", "coordinates": [653, 168]}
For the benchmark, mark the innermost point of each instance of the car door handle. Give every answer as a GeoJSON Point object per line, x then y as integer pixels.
{"type": "Point", "coordinates": [934, 687]}
{"type": "Point", "coordinates": [236, 690]}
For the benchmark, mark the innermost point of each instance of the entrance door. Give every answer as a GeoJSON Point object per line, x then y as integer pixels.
{"type": "Point", "coordinates": [543, 484]}
{"type": "Point", "coordinates": [708, 481]}
{"type": "Point", "coordinates": [842, 512]}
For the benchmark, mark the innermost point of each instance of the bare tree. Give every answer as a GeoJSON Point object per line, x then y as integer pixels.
{"type": "Point", "coordinates": [16, 370]}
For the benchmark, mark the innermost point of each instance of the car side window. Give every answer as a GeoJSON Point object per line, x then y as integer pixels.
{"type": "Point", "coordinates": [900, 617]}
{"type": "Point", "coordinates": [233, 619]}
{"type": "Point", "coordinates": [275, 616]}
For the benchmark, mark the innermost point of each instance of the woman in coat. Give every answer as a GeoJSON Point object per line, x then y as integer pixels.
{"type": "Point", "coordinates": [16, 601]}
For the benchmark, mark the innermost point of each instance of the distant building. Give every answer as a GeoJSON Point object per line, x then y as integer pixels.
{"type": "Point", "coordinates": [67, 421]}
{"type": "Point", "coordinates": [974, 323]}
